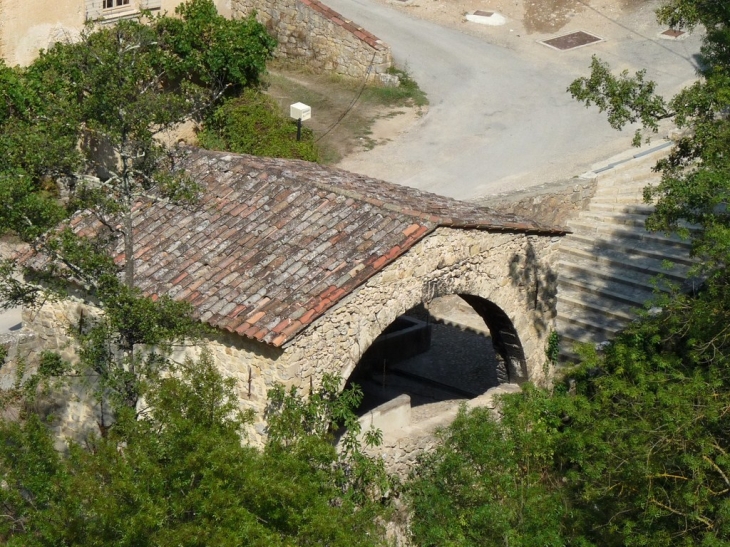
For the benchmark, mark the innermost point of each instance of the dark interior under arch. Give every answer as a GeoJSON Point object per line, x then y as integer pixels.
{"type": "Point", "coordinates": [433, 356]}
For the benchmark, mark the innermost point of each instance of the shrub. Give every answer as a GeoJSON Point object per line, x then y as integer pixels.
{"type": "Point", "coordinates": [252, 124]}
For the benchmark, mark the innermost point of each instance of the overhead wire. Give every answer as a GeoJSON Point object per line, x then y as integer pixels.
{"type": "Point", "coordinates": [352, 103]}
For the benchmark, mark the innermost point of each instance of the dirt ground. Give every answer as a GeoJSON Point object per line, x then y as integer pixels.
{"type": "Point", "coordinates": [528, 20]}
{"type": "Point", "coordinates": [346, 117]}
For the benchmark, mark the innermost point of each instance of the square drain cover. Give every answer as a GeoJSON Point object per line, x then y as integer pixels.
{"type": "Point", "coordinates": [673, 33]}
{"type": "Point", "coordinates": [572, 41]}
{"type": "Point", "coordinates": [484, 13]}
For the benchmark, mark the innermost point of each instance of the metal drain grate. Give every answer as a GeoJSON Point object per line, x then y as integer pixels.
{"type": "Point", "coordinates": [572, 41]}
{"type": "Point", "coordinates": [673, 33]}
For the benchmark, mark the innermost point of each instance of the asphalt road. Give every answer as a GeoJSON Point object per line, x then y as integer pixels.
{"type": "Point", "coordinates": [500, 118]}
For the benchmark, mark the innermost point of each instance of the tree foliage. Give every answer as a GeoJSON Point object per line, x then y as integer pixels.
{"type": "Point", "coordinates": [491, 481]}
{"type": "Point", "coordinates": [252, 124]}
{"type": "Point", "coordinates": [694, 187]}
{"type": "Point", "coordinates": [636, 454]}
{"type": "Point", "coordinates": [634, 450]}
{"type": "Point", "coordinates": [81, 137]}
{"type": "Point", "coordinates": [181, 475]}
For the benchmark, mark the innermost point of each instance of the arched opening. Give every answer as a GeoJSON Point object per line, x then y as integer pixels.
{"type": "Point", "coordinates": [505, 339]}
{"type": "Point", "coordinates": [435, 355]}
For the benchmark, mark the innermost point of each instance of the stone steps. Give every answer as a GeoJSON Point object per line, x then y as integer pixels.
{"type": "Point", "coordinates": [618, 246]}
{"type": "Point", "coordinates": [610, 267]}
{"type": "Point", "coordinates": [613, 260]}
{"type": "Point", "coordinates": [609, 231]}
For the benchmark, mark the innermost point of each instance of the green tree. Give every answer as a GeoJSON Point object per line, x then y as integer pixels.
{"type": "Point", "coordinates": [115, 91]}
{"type": "Point", "coordinates": [695, 184]}
{"type": "Point", "coordinates": [491, 481]}
{"type": "Point", "coordinates": [636, 451]}
{"type": "Point", "coordinates": [181, 475]}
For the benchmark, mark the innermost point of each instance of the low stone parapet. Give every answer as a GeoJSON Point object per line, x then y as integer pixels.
{"type": "Point", "coordinates": [551, 204]}
{"type": "Point", "coordinates": [402, 446]}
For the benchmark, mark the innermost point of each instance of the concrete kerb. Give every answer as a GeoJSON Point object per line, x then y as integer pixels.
{"type": "Point", "coordinates": [623, 158]}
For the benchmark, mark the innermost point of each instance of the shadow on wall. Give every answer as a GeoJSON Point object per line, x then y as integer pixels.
{"type": "Point", "coordinates": [540, 286]}
{"type": "Point", "coordinates": [427, 360]}
{"type": "Point", "coordinates": [505, 339]}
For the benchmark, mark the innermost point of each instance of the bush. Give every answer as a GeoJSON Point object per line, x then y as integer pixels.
{"type": "Point", "coordinates": [252, 124]}
{"type": "Point", "coordinates": [406, 93]}
{"type": "Point", "coordinates": [180, 476]}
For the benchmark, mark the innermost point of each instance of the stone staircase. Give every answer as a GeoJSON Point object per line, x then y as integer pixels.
{"type": "Point", "coordinates": [608, 266]}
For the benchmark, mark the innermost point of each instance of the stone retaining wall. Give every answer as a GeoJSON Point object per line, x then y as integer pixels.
{"type": "Point", "coordinates": [17, 345]}
{"type": "Point", "coordinates": [552, 204]}
{"type": "Point", "coordinates": [320, 38]}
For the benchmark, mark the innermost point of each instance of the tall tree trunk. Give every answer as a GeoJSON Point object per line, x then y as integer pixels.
{"type": "Point", "coordinates": [128, 250]}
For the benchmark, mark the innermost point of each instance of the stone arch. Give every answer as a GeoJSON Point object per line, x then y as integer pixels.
{"type": "Point", "coordinates": [505, 274]}
{"type": "Point", "coordinates": [505, 339]}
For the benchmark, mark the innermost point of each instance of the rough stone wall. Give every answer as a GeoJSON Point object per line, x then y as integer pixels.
{"type": "Point", "coordinates": [76, 413]}
{"type": "Point", "coordinates": [312, 34]}
{"type": "Point", "coordinates": [514, 271]}
{"type": "Point", "coordinates": [401, 448]}
{"type": "Point", "coordinates": [17, 345]}
{"type": "Point", "coordinates": [553, 204]}
{"type": "Point", "coordinates": [511, 270]}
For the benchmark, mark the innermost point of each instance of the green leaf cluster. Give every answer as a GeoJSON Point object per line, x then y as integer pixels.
{"type": "Point", "coordinates": [179, 475]}
{"type": "Point", "coordinates": [693, 193]}
{"type": "Point", "coordinates": [491, 482]}
{"type": "Point", "coordinates": [80, 137]}
{"type": "Point", "coordinates": [252, 124]}
{"type": "Point", "coordinates": [636, 452]}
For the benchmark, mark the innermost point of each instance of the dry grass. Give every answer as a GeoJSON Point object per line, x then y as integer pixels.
{"type": "Point", "coordinates": [343, 112]}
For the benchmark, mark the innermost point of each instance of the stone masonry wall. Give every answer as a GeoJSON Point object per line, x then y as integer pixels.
{"type": "Point", "coordinates": [553, 204]}
{"type": "Point", "coordinates": [312, 34]}
{"type": "Point", "coordinates": [514, 271]}
{"type": "Point", "coordinates": [401, 448]}
{"type": "Point", "coordinates": [511, 270]}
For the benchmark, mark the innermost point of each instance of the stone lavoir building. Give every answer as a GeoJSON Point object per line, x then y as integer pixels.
{"type": "Point", "coordinates": [300, 267]}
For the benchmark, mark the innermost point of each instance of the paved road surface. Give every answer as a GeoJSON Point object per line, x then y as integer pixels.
{"type": "Point", "coordinates": [500, 118]}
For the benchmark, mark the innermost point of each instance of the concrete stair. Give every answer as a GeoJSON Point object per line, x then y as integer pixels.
{"type": "Point", "coordinates": [610, 266]}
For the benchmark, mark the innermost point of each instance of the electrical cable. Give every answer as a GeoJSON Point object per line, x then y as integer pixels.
{"type": "Point", "coordinates": [352, 104]}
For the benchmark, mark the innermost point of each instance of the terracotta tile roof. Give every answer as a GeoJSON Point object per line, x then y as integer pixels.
{"type": "Point", "coordinates": [359, 32]}
{"type": "Point", "coordinates": [272, 244]}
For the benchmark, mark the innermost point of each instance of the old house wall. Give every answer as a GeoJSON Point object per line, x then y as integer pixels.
{"type": "Point", "coordinates": [312, 34]}
{"type": "Point", "coordinates": [26, 27]}
{"type": "Point", "coordinates": [514, 271]}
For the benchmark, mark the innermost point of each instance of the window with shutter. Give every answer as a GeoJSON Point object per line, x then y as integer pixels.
{"type": "Point", "coordinates": [109, 4]}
